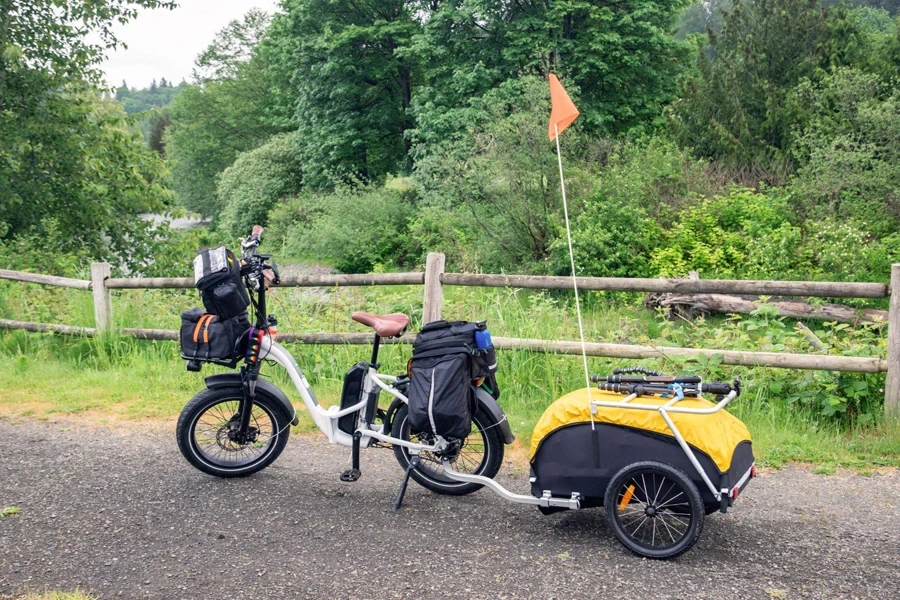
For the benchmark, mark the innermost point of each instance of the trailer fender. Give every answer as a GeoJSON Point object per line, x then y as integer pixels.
{"type": "Point", "coordinates": [489, 404]}
{"type": "Point", "coordinates": [220, 380]}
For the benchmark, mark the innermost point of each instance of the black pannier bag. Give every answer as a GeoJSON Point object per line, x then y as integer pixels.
{"type": "Point", "coordinates": [208, 337]}
{"type": "Point", "coordinates": [444, 369]}
{"type": "Point", "coordinates": [217, 274]}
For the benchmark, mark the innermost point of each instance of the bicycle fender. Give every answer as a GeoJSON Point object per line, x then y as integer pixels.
{"type": "Point", "coordinates": [497, 415]}
{"type": "Point", "coordinates": [220, 380]}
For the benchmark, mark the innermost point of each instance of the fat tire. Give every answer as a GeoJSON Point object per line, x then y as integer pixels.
{"type": "Point", "coordinates": [695, 503]}
{"type": "Point", "coordinates": [493, 444]}
{"type": "Point", "coordinates": [184, 432]}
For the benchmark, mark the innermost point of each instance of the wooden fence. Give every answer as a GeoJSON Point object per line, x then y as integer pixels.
{"type": "Point", "coordinates": [434, 279]}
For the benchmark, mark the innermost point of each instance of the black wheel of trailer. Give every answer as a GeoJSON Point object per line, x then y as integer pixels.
{"type": "Point", "coordinates": [654, 509]}
{"type": "Point", "coordinates": [481, 454]}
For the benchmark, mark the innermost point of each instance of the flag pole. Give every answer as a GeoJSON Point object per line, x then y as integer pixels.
{"type": "Point", "coordinates": [562, 183]}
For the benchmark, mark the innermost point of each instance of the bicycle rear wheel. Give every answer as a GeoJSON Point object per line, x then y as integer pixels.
{"type": "Point", "coordinates": [481, 454]}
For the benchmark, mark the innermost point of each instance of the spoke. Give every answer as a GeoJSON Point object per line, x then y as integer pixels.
{"type": "Point", "coordinates": [634, 533]}
{"type": "Point", "coordinates": [653, 537]}
{"type": "Point", "coordinates": [656, 497]}
{"type": "Point", "coordinates": [668, 530]}
{"type": "Point", "coordinates": [669, 502]}
{"type": "Point", "coordinates": [644, 489]}
{"type": "Point", "coordinates": [636, 497]}
{"type": "Point", "coordinates": [674, 516]}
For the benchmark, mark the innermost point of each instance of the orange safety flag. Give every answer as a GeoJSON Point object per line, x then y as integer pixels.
{"type": "Point", "coordinates": [563, 110]}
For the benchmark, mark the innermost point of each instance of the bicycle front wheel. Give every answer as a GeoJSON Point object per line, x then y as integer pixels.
{"type": "Point", "coordinates": [207, 433]}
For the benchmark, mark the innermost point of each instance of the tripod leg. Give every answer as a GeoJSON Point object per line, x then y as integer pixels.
{"type": "Point", "coordinates": [413, 463]}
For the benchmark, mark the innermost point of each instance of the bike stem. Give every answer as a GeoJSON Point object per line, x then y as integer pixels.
{"type": "Point", "coordinates": [250, 372]}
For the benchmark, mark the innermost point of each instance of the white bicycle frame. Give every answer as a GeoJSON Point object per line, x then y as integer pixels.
{"type": "Point", "coordinates": [326, 419]}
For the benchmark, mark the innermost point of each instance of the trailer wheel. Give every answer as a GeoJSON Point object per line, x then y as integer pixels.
{"type": "Point", "coordinates": [654, 509]}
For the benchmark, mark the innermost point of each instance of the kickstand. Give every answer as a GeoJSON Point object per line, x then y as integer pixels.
{"type": "Point", "coordinates": [413, 464]}
{"type": "Point", "coordinates": [353, 473]}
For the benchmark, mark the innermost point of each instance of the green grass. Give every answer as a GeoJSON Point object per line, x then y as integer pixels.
{"type": "Point", "coordinates": [8, 511]}
{"type": "Point", "coordinates": [134, 380]}
{"type": "Point", "coordinates": [788, 412]}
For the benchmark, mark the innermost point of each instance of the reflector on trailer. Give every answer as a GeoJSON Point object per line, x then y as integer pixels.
{"type": "Point", "coordinates": [626, 497]}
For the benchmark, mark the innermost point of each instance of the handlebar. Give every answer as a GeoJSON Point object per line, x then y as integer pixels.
{"type": "Point", "coordinates": [251, 244]}
{"type": "Point", "coordinates": [687, 379]}
{"type": "Point", "coordinates": [691, 386]}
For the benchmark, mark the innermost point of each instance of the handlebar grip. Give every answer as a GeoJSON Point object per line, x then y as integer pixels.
{"type": "Point", "coordinates": [257, 230]}
{"type": "Point", "coordinates": [717, 388]}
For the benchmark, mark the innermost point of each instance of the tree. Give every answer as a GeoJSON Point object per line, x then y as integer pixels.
{"type": "Point", "coordinates": [216, 119]}
{"type": "Point", "coordinates": [233, 45]}
{"type": "Point", "coordinates": [618, 58]}
{"type": "Point", "coordinates": [734, 105]}
{"type": "Point", "coordinates": [849, 150]}
{"type": "Point", "coordinates": [495, 189]}
{"type": "Point", "coordinates": [346, 76]}
{"type": "Point", "coordinates": [68, 162]}
{"type": "Point", "coordinates": [256, 182]}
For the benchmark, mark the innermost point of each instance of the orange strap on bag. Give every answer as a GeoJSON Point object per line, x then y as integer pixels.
{"type": "Point", "coordinates": [200, 323]}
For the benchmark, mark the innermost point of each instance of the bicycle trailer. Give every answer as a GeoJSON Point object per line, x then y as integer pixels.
{"type": "Point", "coordinates": [575, 451]}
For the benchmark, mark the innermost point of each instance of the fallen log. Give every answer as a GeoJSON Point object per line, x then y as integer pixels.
{"type": "Point", "coordinates": [689, 306]}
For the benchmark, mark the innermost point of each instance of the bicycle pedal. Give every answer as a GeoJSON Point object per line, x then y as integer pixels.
{"type": "Point", "coordinates": [351, 475]}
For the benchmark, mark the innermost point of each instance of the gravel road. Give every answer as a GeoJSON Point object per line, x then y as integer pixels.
{"type": "Point", "coordinates": [121, 514]}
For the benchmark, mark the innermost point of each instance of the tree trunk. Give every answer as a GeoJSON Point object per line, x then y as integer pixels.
{"type": "Point", "coordinates": [692, 305]}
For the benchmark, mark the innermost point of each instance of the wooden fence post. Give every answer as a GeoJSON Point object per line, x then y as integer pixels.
{"type": "Point", "coordinates": [102, 298]}
{"type": "Point", "coordinates": [434, 289]}
{"type": "Point", "coordinates": [892, 381]}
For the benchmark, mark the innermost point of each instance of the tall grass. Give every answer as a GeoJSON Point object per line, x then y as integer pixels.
{"type": "Point", "coordinates": [112, 378]}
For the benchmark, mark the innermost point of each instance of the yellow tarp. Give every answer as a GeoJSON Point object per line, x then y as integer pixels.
{"type": "Point", "coordinates": [717, 434]}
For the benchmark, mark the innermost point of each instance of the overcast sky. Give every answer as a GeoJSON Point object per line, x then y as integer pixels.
{"type": "Point", "coordinates": [164, 43]}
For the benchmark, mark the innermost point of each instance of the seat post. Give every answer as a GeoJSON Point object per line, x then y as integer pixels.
{"type": "Point", "coordinates": [375, 350]}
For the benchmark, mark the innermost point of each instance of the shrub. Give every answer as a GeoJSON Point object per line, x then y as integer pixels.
{"type": "Point", "coordinates": [611, 238]}
{"type": "Point", "coordinates": [743, 233]}
{"type": "Point", "coordinates": [359, 228]}
{"type": "Point", "coordinates": [256, 182]}
{"type": "Point", "coordinates": [849, 150]}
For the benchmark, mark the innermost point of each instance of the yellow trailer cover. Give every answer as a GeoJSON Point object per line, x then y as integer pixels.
{"type": "Point", "coordinates": [717, 434]}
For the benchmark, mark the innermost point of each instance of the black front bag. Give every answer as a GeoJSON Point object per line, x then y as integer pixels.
{"type": "Point", "coordinates": [217, 274]}
{"type": "Point", "coordinates": [208, 337]}
{"type": "Point", "coordinates": [441, 389]}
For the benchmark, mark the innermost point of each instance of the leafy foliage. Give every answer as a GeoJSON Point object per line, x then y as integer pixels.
{"type": "Point", "coordinates": [499, 184]}
{"type": "Point", "coordinates": [216, 119]}
{"type": "Point", "coordinates": [617, 59]}
{"type": "Point", "coordinates": [359, 229]}
{"type": "Point", "coordinates": [256, 182]}
{"type": "Point", "coordinates": [849, 149]}
{"type": "Point", "coordinates": [351, 76]}
{"type": "Point", "coordinates": [73, 175]}
{"type": "Point", "coordinates": [734, 105]}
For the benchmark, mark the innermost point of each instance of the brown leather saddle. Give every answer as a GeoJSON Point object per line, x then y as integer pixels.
{"type": "Point", "coordinates": [392, 325]}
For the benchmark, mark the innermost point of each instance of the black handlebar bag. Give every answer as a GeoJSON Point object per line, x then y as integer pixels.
{"type": "Point", "coordinates": [209, 337]}
{"type": "Point", "coordinates": [217, 274]}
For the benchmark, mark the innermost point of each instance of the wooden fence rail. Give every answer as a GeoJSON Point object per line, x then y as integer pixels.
{"type": "Point", "coordinates": [434, 278]}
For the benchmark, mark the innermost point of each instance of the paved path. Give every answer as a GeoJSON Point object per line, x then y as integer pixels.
{"type": "Point", "coordinates": [123, 515]}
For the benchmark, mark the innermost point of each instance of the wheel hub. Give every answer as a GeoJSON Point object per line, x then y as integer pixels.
{"type": "Point", "coordinates": [650, 511]}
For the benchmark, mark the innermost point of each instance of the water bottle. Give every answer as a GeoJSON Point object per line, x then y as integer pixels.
{"type": "Point", "coordinates": [483, 340]}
